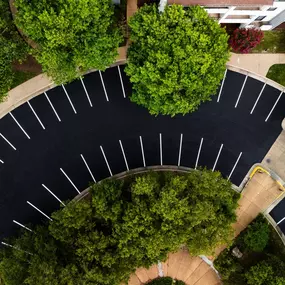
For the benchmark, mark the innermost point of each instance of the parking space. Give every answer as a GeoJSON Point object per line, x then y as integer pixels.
{"type": "Point", "coordinates": [87, 130]}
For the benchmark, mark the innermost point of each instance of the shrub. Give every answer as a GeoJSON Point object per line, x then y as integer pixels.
{"type": "Point", "coordinates": [124, 225]}
{"type": "Point", "coordinates": [72, 36]}
{"type": "Point", "coordinates": [13, 48]}
{"type": "Point", "coordinates": [257, 235]}
{"type": "Point", "coordinates": [165, 281]}
{"type": "Point", "coordinates": [176, 59]}
{"type": "Point", "coordinates": [244, 40]}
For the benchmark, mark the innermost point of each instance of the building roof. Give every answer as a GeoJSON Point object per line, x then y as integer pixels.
{"type": "Point", "coordinates": [220, 3]}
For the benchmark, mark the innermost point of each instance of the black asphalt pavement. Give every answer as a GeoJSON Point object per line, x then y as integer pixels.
{"type": "Point", "coordinates": [38, 160]}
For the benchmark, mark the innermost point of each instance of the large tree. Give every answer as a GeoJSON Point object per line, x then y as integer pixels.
{"type": "Point", "coordinates": [124, 225]}
{"type": "Point", "coordinates": [177, 58]}
{"type": "Point", "coordinates": [72, 36]}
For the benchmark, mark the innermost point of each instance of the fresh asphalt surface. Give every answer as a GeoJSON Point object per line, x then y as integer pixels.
{"type": "Point", "coordinates": [38, 160]}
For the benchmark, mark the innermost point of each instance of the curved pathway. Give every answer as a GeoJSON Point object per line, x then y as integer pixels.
{"type": "Point", "coordinates": [180, 266]}
{"type": "Point", "coordinates": [88, 130]}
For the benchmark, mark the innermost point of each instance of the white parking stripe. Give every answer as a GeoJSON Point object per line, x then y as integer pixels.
{"type": "Point", "coordinates": [103, 86]}
{"type": "Point", "coordinates": [216, 161]}
{"type": "Point", "coordinates": [7, 141]}
{"type": "Point", "coordinates": [15, 247]}
{"type": "Point", "coordinates": [281, 221]}
{"type": "Point", "coordinates": [222, 85]}
{"type": "Point", "coordinates": [22, 226]}
{"type": "Point", "coordinates": [142, 149]}
{"type": "Point", "coordinates": [1, 161]}
{"type": "Point", "coordinates": [88, 167]}
{"type": "Point", "coordinates": [39, 210]}
{"type": "Point", "coordinates": [199, 151]}
{"type": "Point", "coordinates": [70, 180]}
{"type": "Point", "coordinates": [274, 106]}
{"type": "Point", "coordinates": [122, 148]}
{"type": "Point", "coordinates": [123, 88]}
{"type": "Point", "coordinates": [257, 99]}
{"type": "Point", "coordinates": [19, 126]}
{"type": "Point", "coordinates": [89, 100]}
{"type": "Point", "coordinates": [52, 107]}
{"type": "Point", "coordinates": [53, 195]}
{"type": "Point", "coordinates": [160, 148]}
{"type": "Point", "coordinates": [235, 165]}
{"type": "Point", "coordinates": [102, 150]}
{"type": "Point", "coordinates": [241, 91]}
{"type": "Point", "coordinates": [69, 99]}
{"type": "Point", "coordinates": [180, 149]}
{"type": "Point", "coordinates": [36, 115]}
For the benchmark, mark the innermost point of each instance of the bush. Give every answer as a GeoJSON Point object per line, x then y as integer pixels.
{"type": "Point", "coordinates": [13, 48]}
{"type": "Point", "coordinates": [244, 40]}
{"type": "Point", "coordinates": [165, 281]}
{"type": "Point", "coordinates": [72, 36]}
{"type": "Point", "coordinates": [257, 235]}
{"type": "Point", "coordinates": [176, 59]}
{"type": "Point", "coordinates": [124, 225]}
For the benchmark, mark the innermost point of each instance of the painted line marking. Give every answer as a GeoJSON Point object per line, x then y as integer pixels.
{"type": "Point", "coordinates": [1, 161]}
{"type": "Point", "coordinates": [180, 149]}
{"type": "Point", "coordinates": [199, 151]}
{"type": "Point", "coordinates": [241, 91]}
{"type": "Point", "coordinates": [89, 100]}
{"type": "Point", "coordinates": [69, 99]}
{"type": "Point", "coordinates": [160, 148]}
{"type": "Point", "coordinates": [53, 195]}
{"type": "Point", "coordinates": [274, 106]}
{"type": "Point", "coordinates": [216, 161]}
{"type": "Point", "coordinates": [104, 86]}
{"type": "Point", "coordinates": [7, 141]}
{"type": "Point", "coordinates": [19, 125]}
{"type": "Point", "coordinates": [280, 221]}
{"type": "Point", "coordinates": [90, 172]}
{"type": "Point", "coordinates": [21, 225]}
{"type": "Point", "coordinates": [15, 247]}
{"type": "Point", "coordinates": [122, 148]}
{"type": "Point", "coordinates": [123, 88]}
{"type": "Point", "coordinates": [257, 99]}
{"type": "Point", "coordinates": [222, 85]}
{"type": "Point", "coordinates": [142, 149]}
{"type": "Point", "coordinates": [52, 107]}
{"type": "Point", "coordinates": [235, 165]}
{"type": "Point", "coordinates": [36, 115]}
{"type": "Point", "coordinates": [70, 180]}
{"type": "Point", "coordinates": [102, 150]}
{"type": "Point", "coordinates": [39, 210]}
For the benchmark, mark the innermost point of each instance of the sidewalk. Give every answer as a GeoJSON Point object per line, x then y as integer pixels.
{"type": "Point", "coordinates": [258, 63]}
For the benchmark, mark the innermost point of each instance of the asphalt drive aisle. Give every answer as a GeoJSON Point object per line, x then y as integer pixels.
{"type": "Point", "coordinates": [52, 147]}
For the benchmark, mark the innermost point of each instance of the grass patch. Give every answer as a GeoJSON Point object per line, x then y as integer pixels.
{"type": "Point", "coordinates": [22, 76]}
{"type": "Point", "coordinates": [273, 42]}
{"type": "Point", "coordinates": [277, 73]}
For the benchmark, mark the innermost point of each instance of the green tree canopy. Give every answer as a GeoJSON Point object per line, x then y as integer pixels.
{"type": "Point", "coordinates": [176, 59]}
{"type": "Point", "coordinates": [72, 36]}
{"type": "Point", "coordinates": [122, 225]}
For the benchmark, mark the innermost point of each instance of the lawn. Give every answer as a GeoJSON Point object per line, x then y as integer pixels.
{"type": "Point", "coordinates": [277, 73]}
{"type": "Point", "coordinates": [273, 42]}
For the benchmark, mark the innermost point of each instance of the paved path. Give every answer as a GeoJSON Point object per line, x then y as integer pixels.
{"type": "Point", "coordinates": [258, 63]}
{"type": "Point", "coordinates": [180, 266]}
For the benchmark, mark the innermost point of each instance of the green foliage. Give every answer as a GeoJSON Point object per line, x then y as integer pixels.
{"type": "Point", "coordinates": [277, 73]}
{"type": "Point", "coordinates": [257, 235]}
{"type": "Point", "coordinates": [259, 274]}
{"type": "Point", "coordinates": [13, 48]}
{"type": "Point", "coordinates": [165, 281]}
{"type": "Point", "coordinates": [176, 59]}
{"type": "Point", "coordinates": [72, 36]}
{"type": "Point", "coordinates": [123, 225]}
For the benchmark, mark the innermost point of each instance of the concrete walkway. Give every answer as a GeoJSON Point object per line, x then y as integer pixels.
{"type": "Point", "coordinates": [258, 63]}
{"type": "Point", "coordinates": [180, 266]}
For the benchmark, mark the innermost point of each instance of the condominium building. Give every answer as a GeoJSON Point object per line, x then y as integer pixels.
{"type": "Point", "coordinates": [266, 14]}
